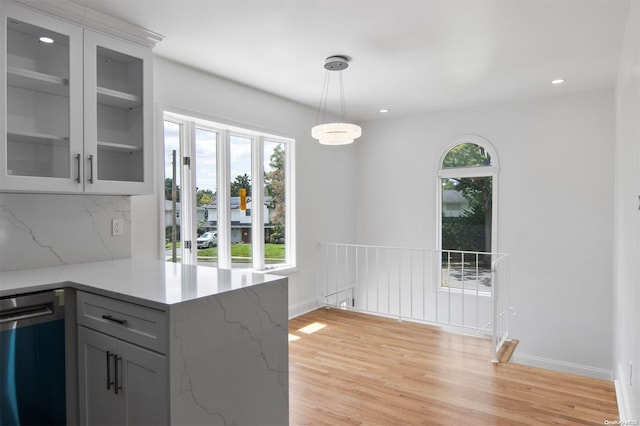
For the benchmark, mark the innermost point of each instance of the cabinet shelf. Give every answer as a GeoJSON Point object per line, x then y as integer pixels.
{"type": "Point", "coordinates": [33, 80]}
{"type": "Point", "coordinates": [118, 147]}
{"type": "Point", "coordinates": [38, 138]}
{"type": "Point", "coordinates": [117, 99]}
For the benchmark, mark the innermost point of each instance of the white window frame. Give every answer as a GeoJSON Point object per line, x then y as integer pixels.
{"type": "Point", "coordinates": [190, 122]}
{"type": "Point", "coordinates": [491, 171]}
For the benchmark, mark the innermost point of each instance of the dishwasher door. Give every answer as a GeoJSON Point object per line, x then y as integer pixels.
{"type": "Point", "coordinates": [32, 359]}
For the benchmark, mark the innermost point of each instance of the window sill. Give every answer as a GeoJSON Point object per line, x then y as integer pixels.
{"type": "Point", "coordinates": [467, 291]}
{"type": "Point", "coordinates": [280, 270]}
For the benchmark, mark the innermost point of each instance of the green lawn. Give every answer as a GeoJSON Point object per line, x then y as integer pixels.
{"type": "Point", "coordinates": [241, 253]}
{"type": "Point", "coordinates": [167, 246]}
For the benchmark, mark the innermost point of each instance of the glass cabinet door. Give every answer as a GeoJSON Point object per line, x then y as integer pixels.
{"type": "Point", "coordinates": [117, 118]}
{"type": "Point", "coordinates": [43, 90]}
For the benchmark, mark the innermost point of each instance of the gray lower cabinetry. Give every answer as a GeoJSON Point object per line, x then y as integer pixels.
{"type": "Point", "coordinates": [220, 359]}
{"type": "Point", "coordinates": [121, 383]}
{"type": "Point", "coordinates": [192, 345]}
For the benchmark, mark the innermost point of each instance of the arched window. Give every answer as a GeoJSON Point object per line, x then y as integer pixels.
{"type": "Point", "coordinates": [467, 204]}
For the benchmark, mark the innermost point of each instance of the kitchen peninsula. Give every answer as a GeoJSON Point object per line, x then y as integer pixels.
{"type": "Point", "coordinates": [216, 340]}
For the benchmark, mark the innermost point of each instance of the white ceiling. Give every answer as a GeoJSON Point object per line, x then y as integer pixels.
{"type": "Point", "coordinates": [408, 56]}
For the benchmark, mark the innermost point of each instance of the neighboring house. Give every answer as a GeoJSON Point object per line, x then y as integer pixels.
{"type": "Point", "coordinates": [453, 203]}
{"type": "Point", "coordinates": [168, 206]}
{"type": "Point", "coordinates": [240, 219]}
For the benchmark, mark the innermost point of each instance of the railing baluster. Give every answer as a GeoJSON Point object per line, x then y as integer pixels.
{"type": "Point", "coordinates": [496, 320]}
{"type": "Point", "coordinates": [356, 277]}
{"type": "Point", "coordinates": [377, 280]}
{"type": "Point", "coordinates": [326, 258]}
{"type": "Point", "coordinates": [432, 281]}
{"type": "Point", "coordinates": [346, 273]}
{"type": "Point", "coordinates": [411, 283]}
{"type": "Point", "coordinates": [477, 292]}
{"type": "Point", "coordinates": [367, 277]}
{"type": "Point", "coordinates": [424, 286]}
{"type": "Point", "coordinates": [337, 277]}
{"type": "Point", "coordinates": [388, 283]}
{"type": "Point", "coordinates": [449, 283]}
{"type": "Point", "coordinates": [437, 278]}
{"type": "Point", "coordinates": [462, 294]}
{"type": "Point", "coordinates": [400, 285]}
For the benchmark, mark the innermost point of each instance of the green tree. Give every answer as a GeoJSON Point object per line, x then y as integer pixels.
{"type": "Point", "coordinates": [241, 181]}
{"type": "Point", "coordinates": [466, 155]}
{"type": "Point", "coordinates": [275, 188]}
{"type": "Point", "coordinates": [168, 182]}
{"type": "Point", "coordinates": [204, 197]}
{"type": "Point", "coordinates": [472, 230]}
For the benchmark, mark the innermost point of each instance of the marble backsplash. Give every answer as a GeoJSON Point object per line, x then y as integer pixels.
{"type": "Point", "coordinates": [39, 230]}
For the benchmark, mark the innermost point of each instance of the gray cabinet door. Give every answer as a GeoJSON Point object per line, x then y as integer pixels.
{"type": "Point", "coordinates": [98, 402]}
{"type": "Point", "coordinates": [145, 385]}
{"type": "Point", "coordinates": [120, 383]}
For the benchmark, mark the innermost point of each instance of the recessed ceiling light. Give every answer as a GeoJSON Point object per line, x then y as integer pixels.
{"type": "Point", "coordinates": [384, 110]}
{"type": "Point", "coordinates": [47, 40]}
{"type": "Point", "coordinates": [557, 81]}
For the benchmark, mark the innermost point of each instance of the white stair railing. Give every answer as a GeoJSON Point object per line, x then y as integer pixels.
{"type": "Point", "coordinates": [459, 289]}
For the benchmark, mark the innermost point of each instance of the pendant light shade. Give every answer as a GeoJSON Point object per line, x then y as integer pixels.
{"type": "Point", "coordinates": [334, 133]}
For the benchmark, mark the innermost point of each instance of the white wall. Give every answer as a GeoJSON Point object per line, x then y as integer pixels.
{"type": "Point", "coordinates": [555, 211]}
{"type": "Point", "coordinates": [324, 175]}
{"type": "Point", "coordinates": [626, 330]}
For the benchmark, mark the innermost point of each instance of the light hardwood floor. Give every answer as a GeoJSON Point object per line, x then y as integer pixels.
{"type": "Point", "coordinates": [365, 370]}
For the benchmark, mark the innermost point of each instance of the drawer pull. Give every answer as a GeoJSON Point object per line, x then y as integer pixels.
{"type": "Point", "coordinates": [116, 320]}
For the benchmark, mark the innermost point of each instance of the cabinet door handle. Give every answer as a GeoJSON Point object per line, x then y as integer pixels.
{"type": "Point", "coordinates": [109, 382]}
{"type": "Point", "coordinates": [78, 161]}
{"type": "Point", "coordinates": [117, 386]}
{"type": "Point", "coordinates": [91, 168]}
{"type": "Point", "coordinates": [116, 320]}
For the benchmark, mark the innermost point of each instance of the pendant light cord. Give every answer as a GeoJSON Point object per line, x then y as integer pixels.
{"type": "Point", "coordinates": [322, 108]}
{"type": "Point", "coordinates": [342, 102]}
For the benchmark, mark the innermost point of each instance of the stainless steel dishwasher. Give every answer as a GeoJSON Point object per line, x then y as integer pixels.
{"type": "Point", "coordinates": [32, 359]}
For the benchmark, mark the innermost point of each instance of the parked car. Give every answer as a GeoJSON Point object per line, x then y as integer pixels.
{"type": "Point", "coordinates": [208, 239]}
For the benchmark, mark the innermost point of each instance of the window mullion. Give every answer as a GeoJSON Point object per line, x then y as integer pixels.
{"type": "Point", "coordinates": [467, 172]}
{"type": "Point", "coordinates": [224, 200]}
{"type": "Point", "coordinates": [290, 230]}
{"type": "Point", "coordinates": [257, 203]}
{"type": "Point", "coordinates": [188, 196]}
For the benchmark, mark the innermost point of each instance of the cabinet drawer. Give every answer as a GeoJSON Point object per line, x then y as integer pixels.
{"type": "Point", "coordinates": [137, 324]}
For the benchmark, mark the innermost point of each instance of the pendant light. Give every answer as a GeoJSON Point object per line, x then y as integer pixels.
{"type": "Point", "coordinates": [334, 133]}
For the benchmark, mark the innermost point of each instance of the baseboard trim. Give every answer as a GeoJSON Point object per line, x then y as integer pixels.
{"type": "Point", "coordinates": [622, 396]}
{"type": "Point", "coordinates": [562, 366]}
{"type": "Point", "coordinates": [303, 307]}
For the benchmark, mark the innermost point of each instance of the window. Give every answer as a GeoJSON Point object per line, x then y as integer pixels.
{"type": "Point", "coordinates": [233, 187]}
{"type": "Point", "coordinates": [467, 197]}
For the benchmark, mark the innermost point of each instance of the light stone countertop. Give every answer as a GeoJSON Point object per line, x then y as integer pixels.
{"type": "Point", "coordinates": [150, 283]}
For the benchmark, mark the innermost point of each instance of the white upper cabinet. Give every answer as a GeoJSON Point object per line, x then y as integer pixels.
{"type": "Point", "coordinates": [76, 114]}
{"type": "Point", "coordinates": [117, 121]}
{"type": "Point", "coordinates": [42, 103]}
